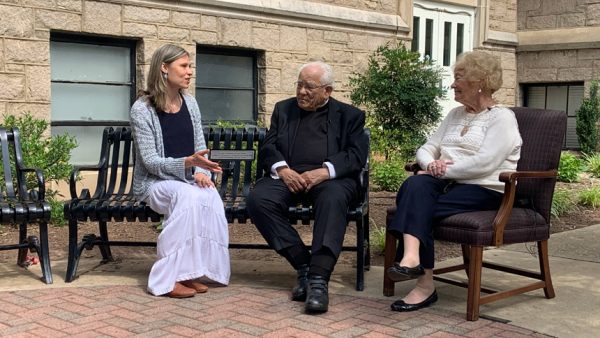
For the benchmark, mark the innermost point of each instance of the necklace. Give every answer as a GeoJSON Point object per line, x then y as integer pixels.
{"type": "Point", "coordinates": [466, 128]}
{"type": "Point", "coordinates": [171, 106]}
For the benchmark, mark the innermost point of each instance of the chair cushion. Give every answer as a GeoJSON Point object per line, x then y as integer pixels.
{"type": "Point", "coordinates": [475, 228]}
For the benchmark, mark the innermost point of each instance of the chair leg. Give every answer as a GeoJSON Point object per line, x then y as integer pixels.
{"type": "Point", "coordinates": [44, 253]}
{"type": "Point", "coordinates": [104, 249]}
{"type": "Point", "coordinates": [474, 291]}
{"type": "Point", "coordinates": [545, 268]}
{"type": "Point", "coordinates": [360, 255]}
{"type": "Point", "coordinates": [465, 251]}
{"type": "Point", "coordinates": [390, 256]}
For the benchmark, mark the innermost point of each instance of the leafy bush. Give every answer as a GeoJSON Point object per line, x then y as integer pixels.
{"type": "Point", "coordinates": [50, 154]}
{"type": "Point", "coordinates": [587, 117]}
{"type": "Point", "coordinates": [400, 92]}
{"type": "Point", "coordinates": [563, 202]}
{"type": "Point", "coordinates": [592, 162]}
{"type": "Point", "coordinates": [590, 196]}
{"type": "Point", "coordinates": [388, 175]}
{"type": "Point", "coordinates": [377, 239]}
{"type": "Point", "coordinates": [569, 168]}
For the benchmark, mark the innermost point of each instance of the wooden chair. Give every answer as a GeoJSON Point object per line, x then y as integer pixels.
{"type": "Point", "coordinates": [542, 132]}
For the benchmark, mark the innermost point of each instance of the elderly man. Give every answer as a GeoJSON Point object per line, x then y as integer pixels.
{"type": "Point", "coordinates": [313, 153]}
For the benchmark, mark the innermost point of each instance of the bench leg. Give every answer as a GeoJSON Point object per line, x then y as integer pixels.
{"type": "Point", "coordinates": [44, 253]}
{"type": "Point", "coordinates": [360, 255]}
{"type": "Point", "coordinates": [22, 255]}
{"type": "Point", "coordinates": [73, 250]}
{"type": "Point", "coordinates": [367, 242]}
{"type": "Point", "coordinates": [105, 249]}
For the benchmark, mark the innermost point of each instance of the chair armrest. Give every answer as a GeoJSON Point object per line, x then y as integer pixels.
{"type": "Point", "coordinates": [75, 173]}
{"type": "Point", "coordinates": [412, 166]}
{"type": "Point", "coordinates": [510, 181]}
{"type": "Point", "coordinates": [40, 180]}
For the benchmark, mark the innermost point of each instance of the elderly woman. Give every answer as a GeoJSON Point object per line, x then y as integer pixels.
{"type": "Point", "coordinates": [461, 163]}
{"type": "Point", "coordinates": [172, 176]}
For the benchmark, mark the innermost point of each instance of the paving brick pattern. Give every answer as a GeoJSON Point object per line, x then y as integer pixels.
{"type": "Point", "coordinates": [235, 311]}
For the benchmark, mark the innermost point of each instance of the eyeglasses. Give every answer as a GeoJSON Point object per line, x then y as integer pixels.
{"type": "Point", "coordinates": [309, 86]}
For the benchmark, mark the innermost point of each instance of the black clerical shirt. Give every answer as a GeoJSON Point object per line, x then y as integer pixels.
{"type": "Point", "coordinates": [310, 146]}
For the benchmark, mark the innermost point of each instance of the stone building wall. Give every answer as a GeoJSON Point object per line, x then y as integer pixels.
{"type": "Point", "coordinates": [383, 6]}
{"type": "Point", "coordinates": [559, 66]}
{"type": "Point", "coordinates": [503, 15]}
{"type": "Point", "coordinates": [553, 14]}
{"type": "Point", "coordinates": [283, 44]}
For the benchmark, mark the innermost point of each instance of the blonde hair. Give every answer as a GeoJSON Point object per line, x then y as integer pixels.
{"type": "Point", "coordinates": [156, 85]}
{"type": "Point", "coordinates": [481, 66]}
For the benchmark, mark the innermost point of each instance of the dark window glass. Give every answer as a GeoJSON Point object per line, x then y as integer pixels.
{"type": "Point", "coordinates": [428, 37]}
{"type": "Point", "coordinates": [460, 36]}
{"type": "Point", "coordinates": [414, 46]}
{"type": "Point", "coordinates": [226, 84]}
{"type": "Point", "coordinates": [447, 34]}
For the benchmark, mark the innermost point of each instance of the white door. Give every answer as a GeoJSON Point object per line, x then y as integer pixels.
{"type": "Point", "coordinates": [441, 32]}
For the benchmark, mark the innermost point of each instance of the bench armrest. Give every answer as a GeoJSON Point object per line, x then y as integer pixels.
{"type": "Point", "coordinates": [41, 184]}
{"type": "Point", "coordinates": [85, 193]}
{"type": "Point", "coordinates": [510, 180]}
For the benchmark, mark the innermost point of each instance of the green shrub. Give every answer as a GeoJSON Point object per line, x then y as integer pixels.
{"type": "Point", "coordinates": [590, 196]}
{"type": "Point", "coordinates": [569, 168]}
{"type": "Point", "coordinates": [563, 202]}
{"type": "Point", "coordinates": [388, 175]}
{"type": "Point", "coordinates": [377, 240]}
{"type": "Point", "coordinates": [400, 92]}
{"type": "Point", "coordinates": [587, 117]}
{"type": "Point", "coordinates": [592, 162]}
{"type": "Point", "coordinates": [50, 154]}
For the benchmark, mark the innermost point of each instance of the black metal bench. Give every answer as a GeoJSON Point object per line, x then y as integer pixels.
{"type": "Point", "coordinates": [20, 206]}
{"type": "Point", "coordinates": [233, 148]}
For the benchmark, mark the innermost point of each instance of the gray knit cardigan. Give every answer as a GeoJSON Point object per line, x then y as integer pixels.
{"type": "Point", "coordinates": [151, 164]}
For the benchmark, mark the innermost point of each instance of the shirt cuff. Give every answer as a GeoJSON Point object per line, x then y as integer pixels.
{"type": "Point", "coordinates": [331, 169]}
{"type": "Point", "coordinates": [274, 167]}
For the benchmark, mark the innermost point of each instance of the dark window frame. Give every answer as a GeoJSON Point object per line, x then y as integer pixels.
{"type": "Point", "coordinates": [202, 49]}
{"type": "Point", "coordinates": [526, 87]}
{"type": "Point", "coordinates": [57, 36]}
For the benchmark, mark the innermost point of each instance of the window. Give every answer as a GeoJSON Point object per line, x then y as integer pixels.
{"type": "Point", "coordinates": [226, 84]}
{"type": "Point", "coordinates": [561, 96]}
{"type": "Point", "coordinates": [441, 32]}
{"type": "Point", "coordinates": [93, 86]}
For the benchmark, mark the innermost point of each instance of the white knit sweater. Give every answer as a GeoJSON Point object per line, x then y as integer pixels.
{"type": "Point", "coordinates": [491, 145]}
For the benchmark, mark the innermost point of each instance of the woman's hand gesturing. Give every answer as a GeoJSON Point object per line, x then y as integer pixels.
{"type": "Point", "coordinates": [198, 160]}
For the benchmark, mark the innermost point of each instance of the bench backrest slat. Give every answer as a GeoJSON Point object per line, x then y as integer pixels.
{"type": "Point", "coordinates": [8, 180]}
{"type": "Point", "coordinates": [114, 165]}
{"type": "Point", "coordinates": [126, 136]}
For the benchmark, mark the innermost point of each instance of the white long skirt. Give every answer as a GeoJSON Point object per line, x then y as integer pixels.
{"type": "Point", "coordinates": [194, 240]}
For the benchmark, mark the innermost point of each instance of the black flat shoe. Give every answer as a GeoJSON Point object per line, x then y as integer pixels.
{"type": "Point", "coordinates": [299, 291]}
{"type": "Point", "coordinates": [317, 297]}
{"type": "Point", "coordinates": [401, 306]}
{"type": "Point", "coordinates": [399, 273]}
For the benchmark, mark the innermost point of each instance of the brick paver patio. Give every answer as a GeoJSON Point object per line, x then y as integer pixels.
{"type": "Point", "coordinates": [234, 311]}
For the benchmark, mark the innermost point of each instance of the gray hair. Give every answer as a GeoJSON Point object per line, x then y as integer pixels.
{"type": "Point", "coordinates": [327, 77]}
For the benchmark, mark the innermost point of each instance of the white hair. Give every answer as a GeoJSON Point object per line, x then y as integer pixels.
{"type": "Point", "coordinates": [327, 77]}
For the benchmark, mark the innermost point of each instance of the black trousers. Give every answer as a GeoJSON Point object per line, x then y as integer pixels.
{"type": "Point", "coordinates": [421, 202]}
{"type": "Point", "coordinates": [269, 200]}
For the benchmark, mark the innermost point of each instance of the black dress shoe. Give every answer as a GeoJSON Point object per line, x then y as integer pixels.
{"type": "Point", "coordinates": [401, 306]}
{"type": "Point", "coordinates": [317, 298]}
{"type": "Point", "coordinates": [299, 291]}
{"type": "Point", "coordinates": [399, 273]}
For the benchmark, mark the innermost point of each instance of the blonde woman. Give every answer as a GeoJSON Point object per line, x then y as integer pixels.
{"type": "Point", "coordinates": [462, 162]}
{"type": "Point", "coordinates": [172, 175]}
